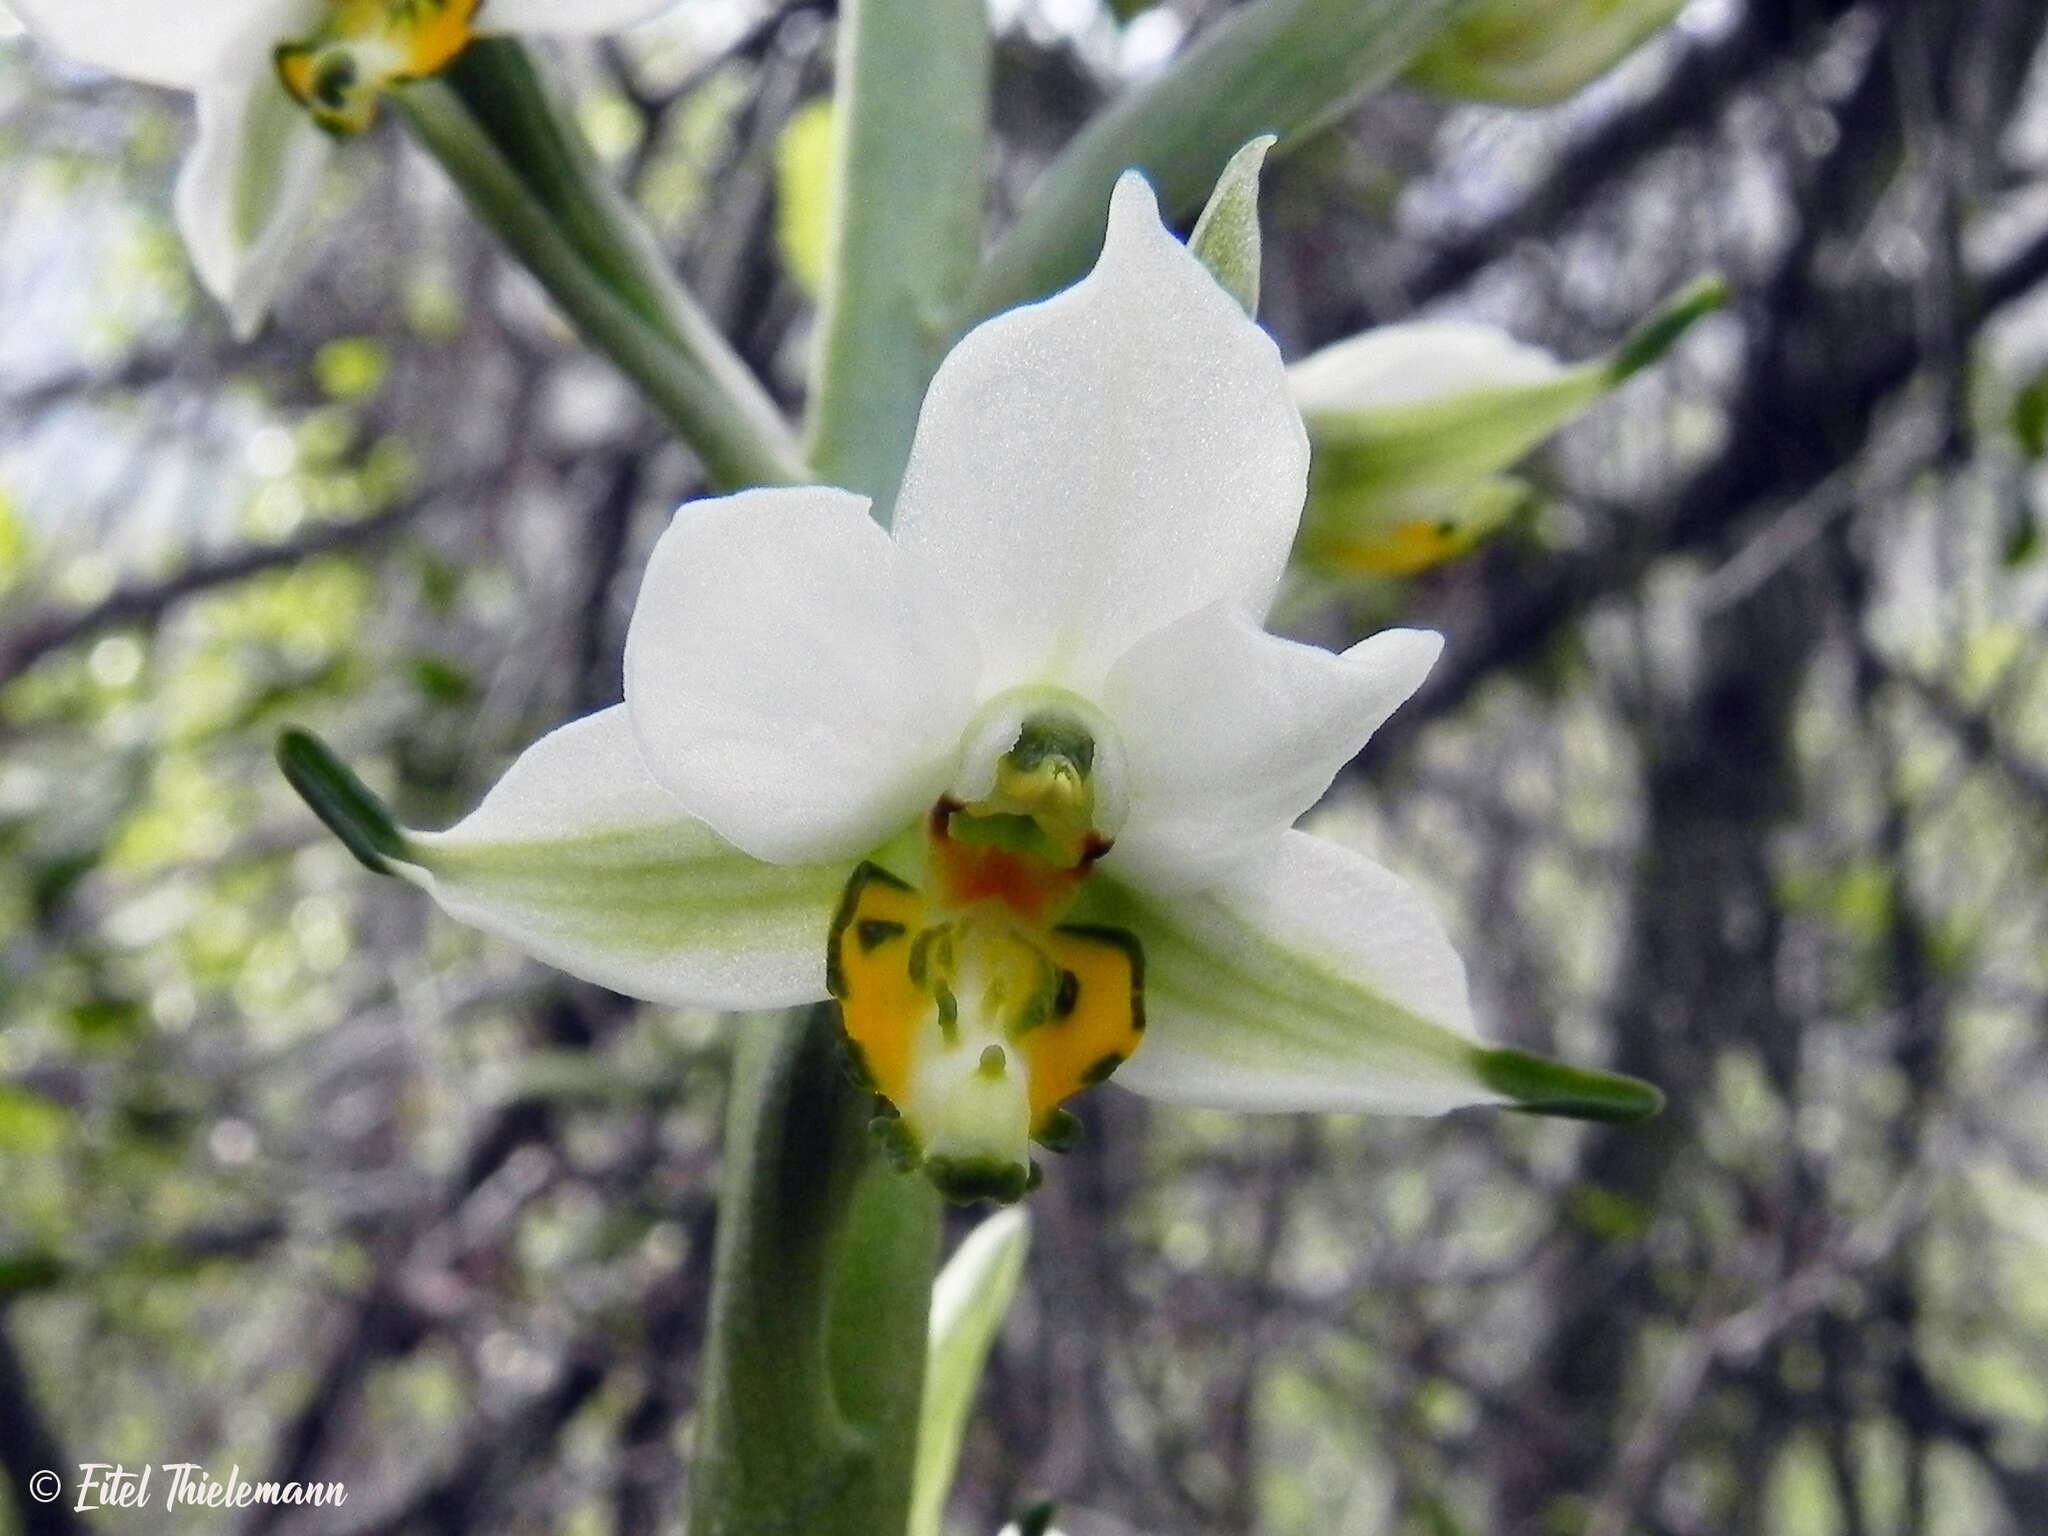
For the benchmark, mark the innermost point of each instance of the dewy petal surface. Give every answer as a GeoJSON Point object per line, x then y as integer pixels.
{"type": "Point", "coordinates": [249, 183]}
{"type": "Point", "coordinates": [1230, 734]}
{"type": "Point", "coordinates": [1091, 468]}
{"type": "Point", "coordinates": [569, 18]}
{"type": "Point", "coordinates": [1312, 979]}
{"type": "Point", "coordinates": [794, 678]}
{"type": "Point", "coordinates": [178, 43]}
{"type": "Point", "coordinates": [579, 858]}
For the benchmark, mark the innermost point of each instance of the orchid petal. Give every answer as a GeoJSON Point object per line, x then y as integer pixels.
{"type": "Point", "coordinates": [568, 18]}
{"type": "Point", "coordinates": [579, 858]}
{"type": "Point", "coordinates": [1230, 734]}
{"type": "Point", "coordinates": [179, 45]}
{"type": "Point", "coordinates": [248, 187]}
{"type": "Point", "coordinates": [1091, 468]}
{"type": "Point", "coordinates": [793, 679]}
{"type": "Point", "coordinates": [1314, 979]}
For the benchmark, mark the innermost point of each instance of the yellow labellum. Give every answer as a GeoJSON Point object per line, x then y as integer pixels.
{"type": "Point", "coordinates": [976, 1024]}
{"type": "Point", "coordinates": [367, 46]}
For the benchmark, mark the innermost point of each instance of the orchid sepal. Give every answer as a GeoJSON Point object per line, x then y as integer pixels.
{"type": "Point", "coordinates": [1315, 979]}
{"type": "Point", "coordinates": [1226, 237]}
{"type": "Point", "coordinates": [580, 859]}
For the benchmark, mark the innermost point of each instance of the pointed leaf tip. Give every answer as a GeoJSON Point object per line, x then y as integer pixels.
{"type": "Point", "coordinates": [344, 802]}
{"type": "Point", "coordinates": [1226, 236]}
{"type": "Point", "coordinates": [1657, 334]}
{"type": "Point", "coordinates": [1543, 1087]}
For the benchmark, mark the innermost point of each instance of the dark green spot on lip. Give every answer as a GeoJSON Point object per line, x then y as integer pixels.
{"type": "Point", "coordinates": [1101, 1070]}
{"type": "Point", "coordinates": [871, 933]}
{"type": "Point", "coordinates": [965, 1180]}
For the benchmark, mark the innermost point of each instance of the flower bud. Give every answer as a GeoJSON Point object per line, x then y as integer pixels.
{"type": "Point", "coordinates": [1522, 55]}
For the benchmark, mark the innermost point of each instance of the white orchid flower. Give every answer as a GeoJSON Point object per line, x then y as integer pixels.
{"type": "Point", "coordinates": [277, 82]}
{"type": "Point", "coordinates": [1414, 426]}
{"type": "Point", "coordinates": [1016, 783]}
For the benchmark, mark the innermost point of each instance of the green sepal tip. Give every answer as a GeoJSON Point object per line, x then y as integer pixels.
{"type": "Point", "coordinates": [344, 802]}
{"type": "Point", "coordinates": [1539, 1086]}
{"type": "Point", "coordinates": [1226, 236]}
{"type": "Point", "coordinates": [1656, 335]}
{"type": "Point", "coordinates": [1037, 1519]}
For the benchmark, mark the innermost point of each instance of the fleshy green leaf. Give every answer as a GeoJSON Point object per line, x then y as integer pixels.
{"type": "Point", "coordinates": [1226, 237]}
{"type": "Point", "coordinates": [969, 1300]}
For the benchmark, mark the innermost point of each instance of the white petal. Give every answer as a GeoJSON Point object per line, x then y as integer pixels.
{"type": "Point", "coordinates": [574, 18]}
{"type": "Point", "coordinates": [796, 681]}
{"type": "Point", "coordinates": [1313, 979]}
{"type": "Point", "coordinates": [578, 857]}
{"type": "Point", "coordinates": [1093, 467]}
{"type": "Point", "coordinates": [1415, 363]}
{"type": "Point", "coordinates": [247, 190]}
{"type": "Point", "coordinates": [1229, 734]}
{"type": "Point", "coordinates": [178, 43]}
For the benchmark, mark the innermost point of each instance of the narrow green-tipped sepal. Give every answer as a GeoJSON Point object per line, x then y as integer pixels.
{"type": "Point", "coordinates": [1540, 1086]}
{"type": "Point", "coordinates": [581, 859]}
{"type": "Point", "coordinates": [1314, 979]}
{"type": "Point", "coordinates": [969, 1300]}
{"type": "Point", "coordinates": [1226, 237]}
{"type": "Point", "coordinates": [344, 802]}
{"type": "Point", "coordinates": [1649, 341]}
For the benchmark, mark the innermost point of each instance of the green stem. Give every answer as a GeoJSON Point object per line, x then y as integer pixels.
{"type": "Point", "coordinates": [910, 117]}
{"type": "Point", "coordinates": [815, 1358]}
{"type": "Point", "coordinates": [528, 176]}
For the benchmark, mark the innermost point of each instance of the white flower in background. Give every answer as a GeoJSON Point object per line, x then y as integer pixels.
{"type": "Point", "coordinates": [1414, 426]}
{"type": "Point", "coordinates": [1015, 783]}
{"type": "Point", "coordinates": [277, 82]}
{"type": "Point", "coordinates": [1524, 55]}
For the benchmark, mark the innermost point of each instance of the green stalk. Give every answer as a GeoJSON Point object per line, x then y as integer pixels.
{"type": "Point", "coordinates": [822, 1287]}
{"type": "Point", "coordinates": [910, 118]}
{"type": "Point", "coordinates": [526, 174]}
{"type": "Point", "coordinates": [808, 1423]}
